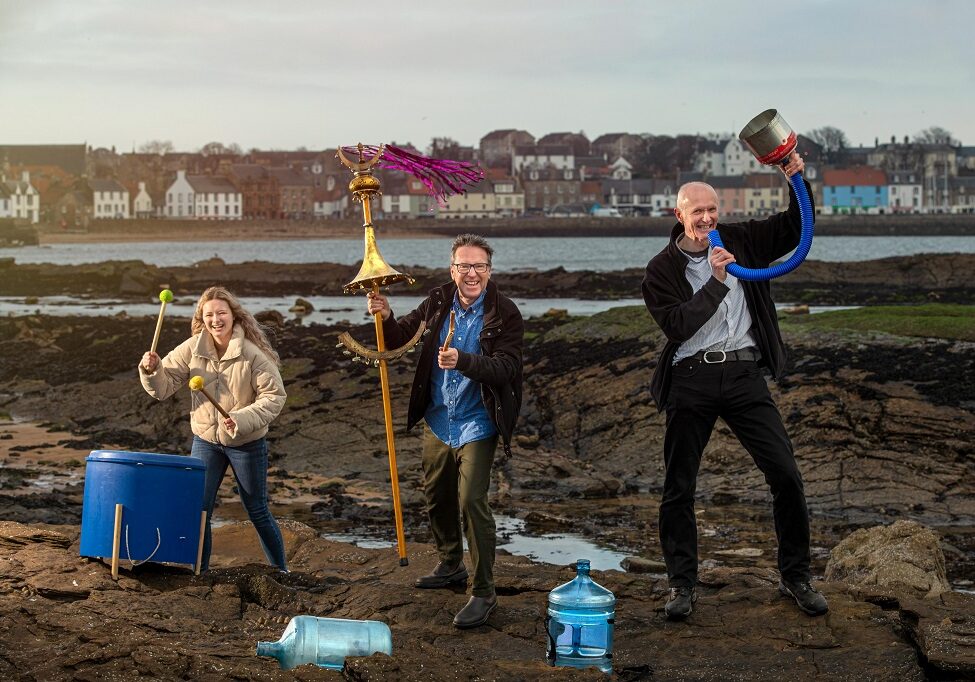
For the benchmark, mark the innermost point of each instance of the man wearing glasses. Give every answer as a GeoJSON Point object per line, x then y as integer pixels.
{"type": "Point", "coordinates": [469, 394]}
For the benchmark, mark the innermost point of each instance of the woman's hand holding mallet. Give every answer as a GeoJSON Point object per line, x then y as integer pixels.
{"type": "Point", "coordinates": [196, 384]}
{"type": "Point", "coordinates": [165, 296]}
{"type": "Point", "coordinates": [149, 362]}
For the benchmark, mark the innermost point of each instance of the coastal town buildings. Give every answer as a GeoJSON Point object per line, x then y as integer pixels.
{"type": "Point", "coordinates": [215, 198]}
{"type": "Point", "coordinates": [142, 204]}
{"type": "Point", "coordinates": [179, 197]}
{"type": "Point", "coordinates": [109, 199]}
{"type": "Point", "coordinates": [557, 174]}
{"type": "Point", "coordinates": [477, 202]}
{"type": "Point", "coordinates": [498, 147]}
{"type": "Point", "coordinates": [260, 194]}
{"type": "Point", "coordinates": [860, 189]}
{"type": "Point", "coordinates": [19, 199]}
{"type": "Point", "coordinates": [904, 191]}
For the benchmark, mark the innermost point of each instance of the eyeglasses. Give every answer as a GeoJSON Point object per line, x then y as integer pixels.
{"type": "Point", "coordinates": [479, 268]}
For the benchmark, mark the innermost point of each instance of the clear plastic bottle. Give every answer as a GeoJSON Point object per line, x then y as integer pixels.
{"type": "Point", "coordinates": [580, 623]}
{"type": "Point", "coordinates": [327, 641]}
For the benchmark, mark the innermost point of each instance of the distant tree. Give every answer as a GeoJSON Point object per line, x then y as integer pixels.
{"type": "Point", "coordinates": [934, 135]}
{"type": "Point", "coordinates": [444, 148]}
{"type": "Point", "coordinates": [833, 143]}
{"type": "Point", "coordinates": [662, 156]}
{"type": "Point", "coordinates": [214, 148]}
{"type": "Point", "coordinates": [157, 147]}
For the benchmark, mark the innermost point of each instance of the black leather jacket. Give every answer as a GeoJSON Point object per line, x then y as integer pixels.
{"type": "Point", "coordinates": [498, 368]}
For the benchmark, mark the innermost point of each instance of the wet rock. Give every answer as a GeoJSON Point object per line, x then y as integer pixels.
{"type": "Point", "coordinates": [16, 534]}
{"type": "Point", "coordinates": [635, 564]}
{"type": "Point", "coordinates": [302, 306]}
{"type": "Point", "coordinates": [920, 278]}
{"type": "Point", "coordinates": [271, 318]}
{"type": "Point", "coordinates": [904, 556]}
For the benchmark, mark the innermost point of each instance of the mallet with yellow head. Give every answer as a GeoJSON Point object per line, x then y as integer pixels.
{"type": "Point", "coordinates": [196, 384]}
{"type": "Point", "coordinates": [165, 296]}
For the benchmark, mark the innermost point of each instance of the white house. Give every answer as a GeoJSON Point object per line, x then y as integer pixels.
{"type": "Point", "coordinates": [142, 204]}
{"type": "Point", "coordinates": [477, 202]}
{"type": "Point", "coordinates": [179, 197]}
{"type": "Point", "coordinates": [215, 198]}
{"type": "Point", "coordinates": [621, 169]}
{"type": "Point", "coordinates": [406, 197]}
{"type": "Point", "coordinates": [663, 201]}
{"type": "Point", "coordinates": [329, 203]}
{"type": "Point", "coordinates": [904, 193]}
{"type": "Point", "coordinates": [710, 160]}
{"type": "Point", "coordinates": [19, 199]}
{"type": "Point", "coordinates": [738, 160]}
{"type": "Point", "coordinates": [509, 200]}
{"type": "Point", "coordinates": [555, 156]}
{"type": "Point", "coordinates": [109, 199]}
{"type": "Point", "coordinates": [6, 203]}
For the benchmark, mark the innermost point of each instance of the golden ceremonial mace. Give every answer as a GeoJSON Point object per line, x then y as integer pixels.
{"type": "Point", "coordinates": [375, 272]}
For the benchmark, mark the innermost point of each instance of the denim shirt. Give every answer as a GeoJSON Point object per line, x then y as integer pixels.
{"type": "Point", "coordinates": [456, 413]}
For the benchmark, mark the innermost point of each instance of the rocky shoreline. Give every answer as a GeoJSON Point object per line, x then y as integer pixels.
{"type": "Point", "coordinates": [903, 279]}
{"type": "Point", "coordinates": [883, 428]}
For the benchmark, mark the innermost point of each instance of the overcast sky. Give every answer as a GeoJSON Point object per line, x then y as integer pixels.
{"type": "Point", "coordinates": [319, 73]}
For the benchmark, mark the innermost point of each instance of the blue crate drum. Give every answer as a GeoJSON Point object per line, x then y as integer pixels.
{"type": "Point", "coordinates": [162, 500]}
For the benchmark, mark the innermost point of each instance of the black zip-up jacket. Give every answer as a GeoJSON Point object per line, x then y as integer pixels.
{"type": "Point", "coordinates": [498, 368]}
{"type": "Point", "coordinates": [680, 312]}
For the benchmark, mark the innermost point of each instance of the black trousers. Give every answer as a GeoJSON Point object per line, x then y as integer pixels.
{"type": "Point", "coordinates": [735, 391]}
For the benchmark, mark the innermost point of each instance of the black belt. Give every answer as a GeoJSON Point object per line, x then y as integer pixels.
{"type": "Point", "coordinates": [714, 357]}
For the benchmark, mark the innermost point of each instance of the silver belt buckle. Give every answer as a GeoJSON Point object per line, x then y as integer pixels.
{"type": "Point", "coordinates": [724, 356]}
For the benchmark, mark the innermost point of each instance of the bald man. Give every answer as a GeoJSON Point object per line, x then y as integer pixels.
{"type": "Point", "coordinates": [722, 334]}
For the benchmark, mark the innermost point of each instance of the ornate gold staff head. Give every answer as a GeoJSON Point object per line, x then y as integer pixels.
{"type": "Point", "coordinates": [375, 271]}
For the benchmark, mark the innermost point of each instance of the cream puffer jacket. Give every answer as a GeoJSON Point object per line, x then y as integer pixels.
{"type": "Point", "coordinates": [245, 382]}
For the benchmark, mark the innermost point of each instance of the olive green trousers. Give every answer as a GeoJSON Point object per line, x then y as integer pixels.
{"type": "Point", "coordinates": [456, 482]}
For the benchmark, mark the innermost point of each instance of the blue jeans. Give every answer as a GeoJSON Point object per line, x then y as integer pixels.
{"type": "Point", "coordinates": [249, 462]}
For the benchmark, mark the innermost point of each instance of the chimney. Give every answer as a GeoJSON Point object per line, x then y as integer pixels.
{"type": "Point", "coordinates": [142, 187]}
{"type": "Point", "coordinates": [25, 176]}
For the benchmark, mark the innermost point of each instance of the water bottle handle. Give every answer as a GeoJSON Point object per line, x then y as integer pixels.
{"type": "Point", "coordinates": [551, 640]}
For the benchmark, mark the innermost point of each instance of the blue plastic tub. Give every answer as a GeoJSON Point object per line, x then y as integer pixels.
{"type": "Point", "coordinates": [162, 497]}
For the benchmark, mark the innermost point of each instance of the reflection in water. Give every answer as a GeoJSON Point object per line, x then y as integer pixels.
{"type": "Point", "coordinates": [560, 549]}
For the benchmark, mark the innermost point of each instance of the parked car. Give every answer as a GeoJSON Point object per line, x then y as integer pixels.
{"type": "Point", "coordinates": [606, 213]}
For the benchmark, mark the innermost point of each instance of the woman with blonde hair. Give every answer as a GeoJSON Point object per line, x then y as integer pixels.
{"type": "Point", "coordinates": [230, 351]}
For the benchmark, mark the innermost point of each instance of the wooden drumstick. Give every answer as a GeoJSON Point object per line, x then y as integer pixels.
{"type": "Point", "coordinates": [196, 384]}
{"type": "Point", "coordinates": [450, 331]}
{"type": "Point", "coordinates": [165, 296]}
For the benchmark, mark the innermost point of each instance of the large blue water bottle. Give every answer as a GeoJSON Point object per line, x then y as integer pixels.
{"type": "Point", "coordinates": [580, 623]}
{"type": "Point", "coordinates": [327, 641]}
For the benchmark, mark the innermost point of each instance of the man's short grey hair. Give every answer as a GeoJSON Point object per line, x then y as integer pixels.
{"type": "Point", "coordinates": [682, 192]}
{"type": "Point", "coordinates": [471, 240]}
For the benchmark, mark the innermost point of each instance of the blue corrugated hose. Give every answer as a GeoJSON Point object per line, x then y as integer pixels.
{"type": "Point", "coordinates": [805, 241]}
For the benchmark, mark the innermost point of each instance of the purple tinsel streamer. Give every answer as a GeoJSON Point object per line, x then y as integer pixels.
{"type": "Point", "coordinates": [442, 177]}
